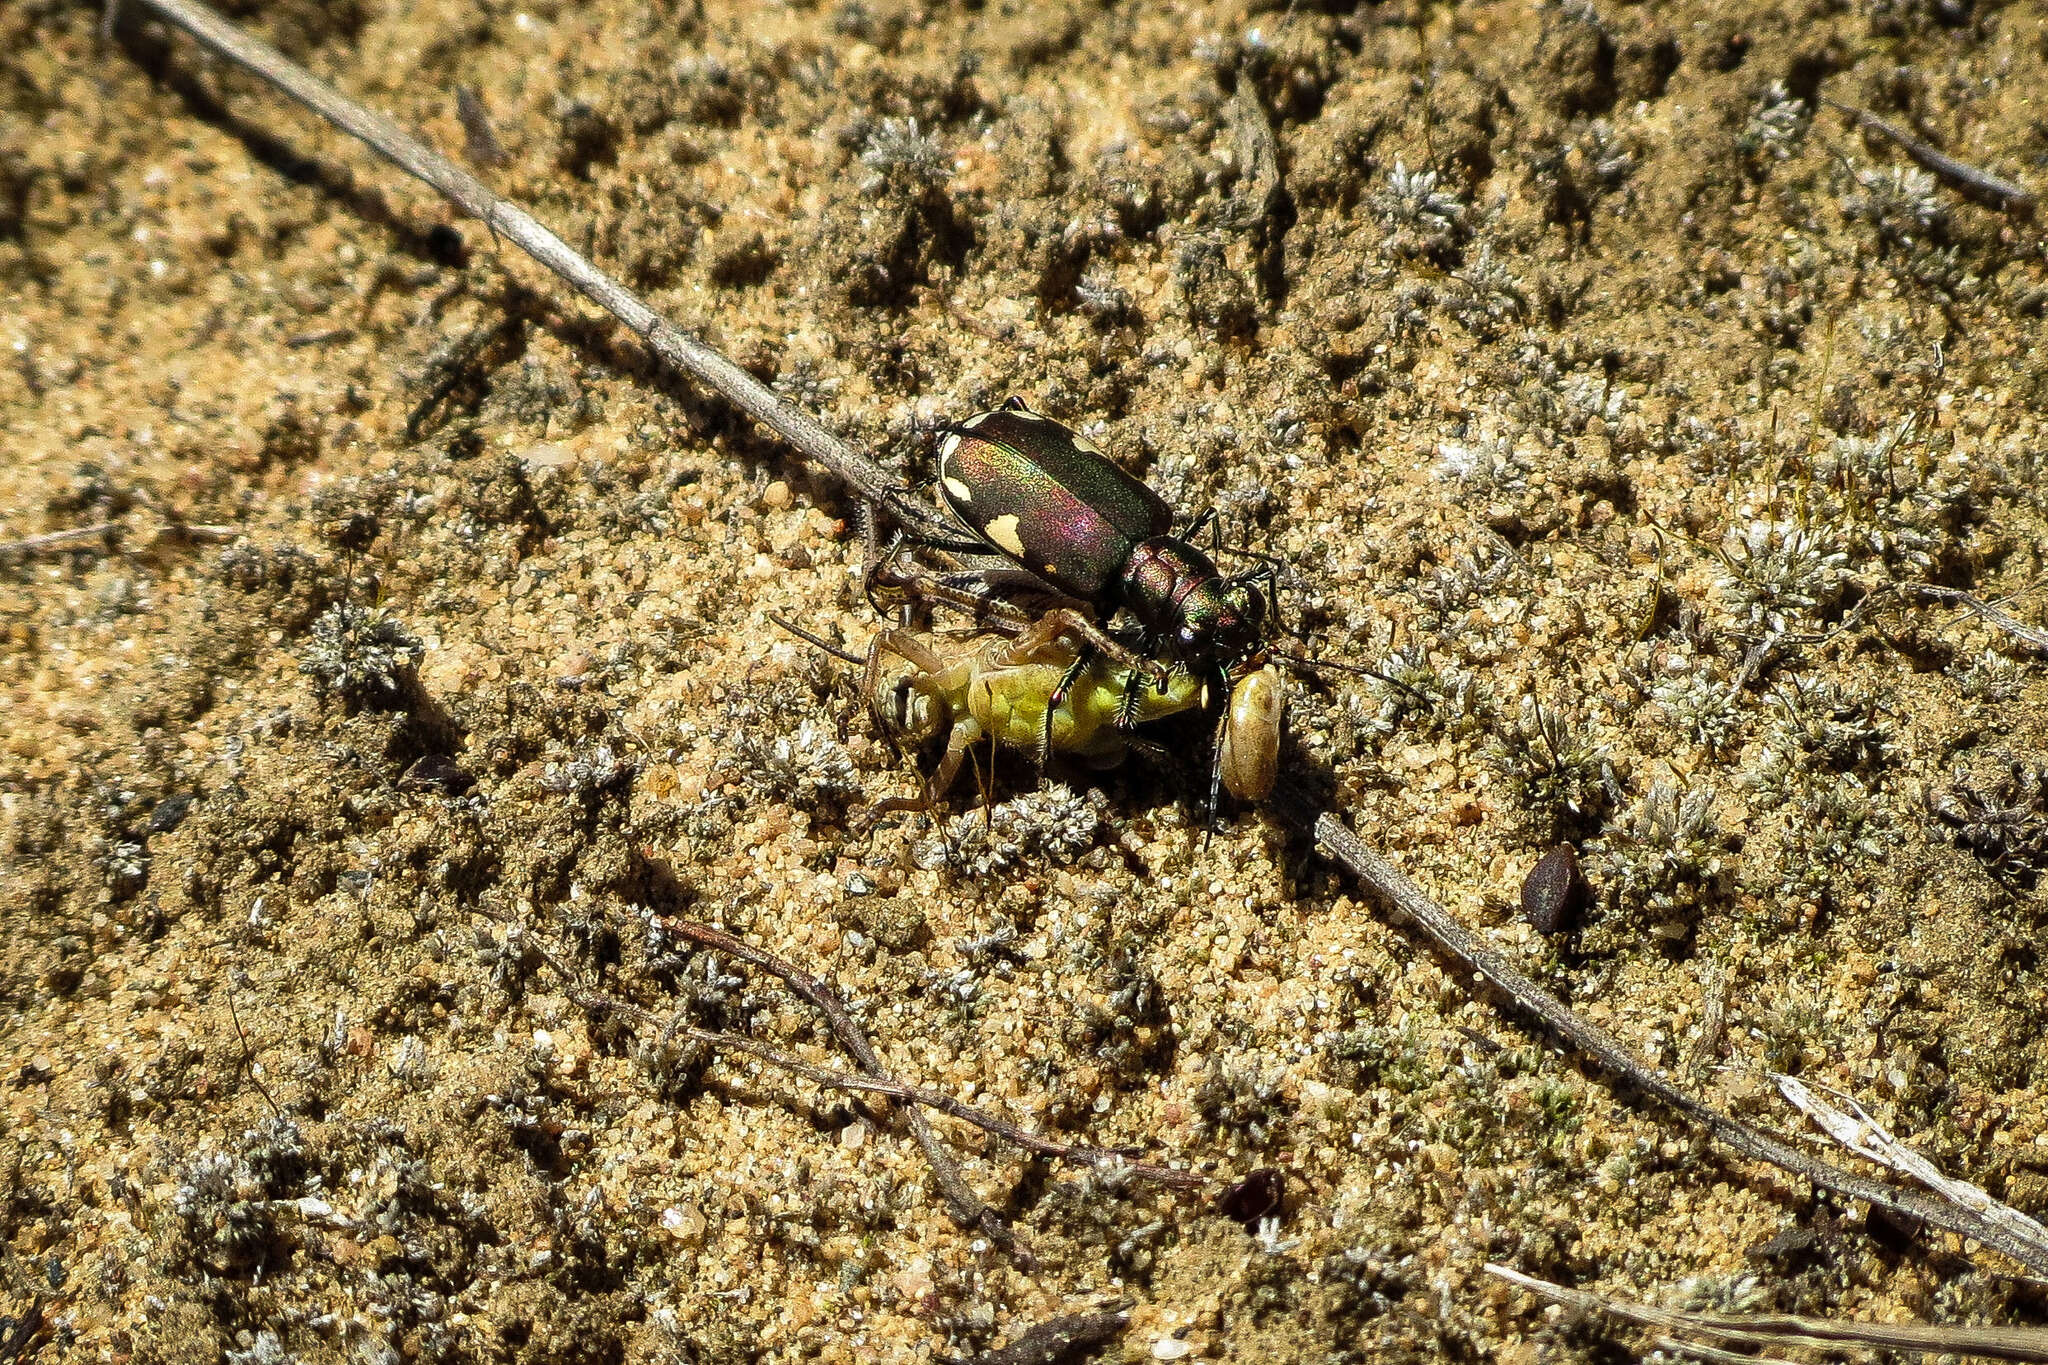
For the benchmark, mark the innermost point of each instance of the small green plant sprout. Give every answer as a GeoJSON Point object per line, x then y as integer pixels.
{"type": "Point", "coordinates": [898, 154]}
{"type": "Point", "coordinates": [1990, 677]}
{"type": "Point", "coordinates": [808, 770]}
{"type": "Point", "coordinates": [1901, 203]}
{"type": "Point", "coordinates": [1817, 729]}
{"type": "Point", "coordinates": [1833, 840]}
{"type": "Point", "coordinates": [1831, 724]}
{"type": "Point", "coordinates": [225, 1212]}
{"type": "Point", "coordinates": [1421, 219]}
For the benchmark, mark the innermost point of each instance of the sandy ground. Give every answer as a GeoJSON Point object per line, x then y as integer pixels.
{"type": "Point", "coordinates": [1585, 372]}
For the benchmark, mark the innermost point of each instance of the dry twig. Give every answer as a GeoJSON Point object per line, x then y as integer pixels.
{"type": "Point", "coordinates": [504, 218]}
{"type": "Point", "coordinates": [1101, 1158]}
{"type": "Point", "coordinates": [1856, 1130]}
{"type": "Point", "coordinates": [83, 537]}
{"type": "Point", "coordinates": [55, 540]}
{"type": "Point", "coordinates": [1059, 1339]}
{"type": "Point", "coordinates": [2030, 635]}
{"type": "Point", "coordinates": [1406, 900]}
{"type": "Point", "coordinates": [1975, 181]}
{"type": "Point", "coordinates": [1785, 1329]}
{"type": "Point", "coordinates": [967, 1207]}
{"type": "Point", "coordinates": [970, 1211]}
{"type": "Point", "coordinates": [1714, 1355]}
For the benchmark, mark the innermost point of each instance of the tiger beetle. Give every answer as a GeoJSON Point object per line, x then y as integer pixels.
{"type": "Point", "coordinates": [1050, 500]}
{"type": "Point", "coordinates": [1085, 533]}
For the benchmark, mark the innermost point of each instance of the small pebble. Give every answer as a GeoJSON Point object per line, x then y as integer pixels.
{"type": "Point", "coordinates": [1554, 891]}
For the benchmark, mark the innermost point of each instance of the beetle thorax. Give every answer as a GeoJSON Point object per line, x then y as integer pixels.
{"type": "Point", "coordinates": [1180, 599]}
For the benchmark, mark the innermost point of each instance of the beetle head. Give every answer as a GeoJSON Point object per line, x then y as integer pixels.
{"type": "Point", "coordinates": [1224, 624]}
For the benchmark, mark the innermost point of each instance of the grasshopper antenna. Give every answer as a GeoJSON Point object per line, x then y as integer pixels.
{"type": "Point", "coordinates": [835, 651]}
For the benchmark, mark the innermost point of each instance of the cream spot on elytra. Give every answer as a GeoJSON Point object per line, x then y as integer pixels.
{"type": "Point", "coordinates": [1002, 533]}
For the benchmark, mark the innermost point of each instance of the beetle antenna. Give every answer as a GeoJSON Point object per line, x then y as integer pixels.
{"type": "Point", "coordinates": [1302, 662]}
{"type": "Point", "coordinates": [1262, 556]}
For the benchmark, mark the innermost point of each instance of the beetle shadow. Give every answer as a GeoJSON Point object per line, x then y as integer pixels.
{"type": "Point", "coordinates": [1178, 766]}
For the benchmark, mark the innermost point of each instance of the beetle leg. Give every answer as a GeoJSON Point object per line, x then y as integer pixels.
{"type": "Point", "coordinates": [1216, 743]}
{"type": "Point", "coordinates": [1150, 748]}
{"type": "Point", "coordinates": [1268, 569]}
{"type": "Point", "coordinates": [888, 806]}
{"type": "Point", "coordinates": [988, 790]}
{"type": "Point", "coordinates": [1082, 658]}
{"type": "Point", "coordinates": [1065, 620]}
{"type": "Point", "coordinates": [1130, 701]}
{"type": "Point", "coordinates": [882, 571]}
{"type": "Point", "coordinates": [817, 641]}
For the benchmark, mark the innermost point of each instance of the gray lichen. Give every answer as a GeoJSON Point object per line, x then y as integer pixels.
{"type": "Point", "coordinates": [1420, 218]}
{"type": "Point", "coordinates": [1551, 764]}
{"type": "Point", "coordinates": [1663, 861]}
{"type": "Point", "coordinates": [1055, 823]}
{"type": "Point", "coordinates": [899, 153]}
{"type": "Point", "coordinates": [363, 655]}
{"type": "Point", "coordinates": [1776, 573]}
{"type": "Point", "coordinates": [1776, 125]}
